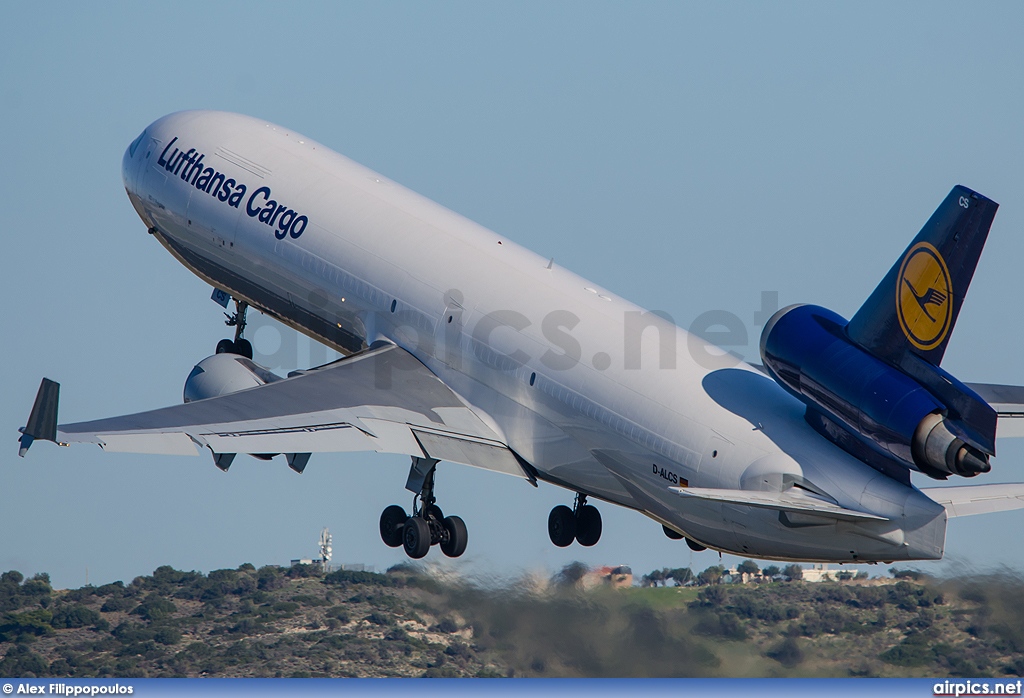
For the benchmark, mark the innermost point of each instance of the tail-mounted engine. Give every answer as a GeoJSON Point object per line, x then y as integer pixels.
{"type": "Point", "coordinates": [868, 407]}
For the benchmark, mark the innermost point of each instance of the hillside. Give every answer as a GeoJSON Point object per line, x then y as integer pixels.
{"type": "Point", "coordinates": [290, 622]}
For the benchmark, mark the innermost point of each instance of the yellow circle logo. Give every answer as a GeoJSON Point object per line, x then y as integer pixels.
{"type": "Point", "coordinates": [924, 297]}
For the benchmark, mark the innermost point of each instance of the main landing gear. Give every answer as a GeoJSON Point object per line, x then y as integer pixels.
{"type": "Point", "coordinates": [428, 525]}
{"type": "Point", "coordinates": [239, 346]}
{"type": "Point", "coordinates": [582, 523]}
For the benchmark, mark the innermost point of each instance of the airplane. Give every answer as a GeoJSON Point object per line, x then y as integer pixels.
{"type": "Point", "coordinates": [460, 346]}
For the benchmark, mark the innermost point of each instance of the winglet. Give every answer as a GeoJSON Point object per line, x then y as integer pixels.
{"type": "Point", "coordinates": [42, 422]}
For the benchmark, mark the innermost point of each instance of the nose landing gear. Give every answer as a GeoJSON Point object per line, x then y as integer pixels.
{"type": "Point", "coordinates": [427, 525]}
{"type": "Point", "coordinates": [239, 346]}
{"type": "Point", "coordinates": [582, 523]}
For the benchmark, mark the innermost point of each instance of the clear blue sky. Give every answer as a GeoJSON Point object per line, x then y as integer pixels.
{"type": "Point", "coordinates": [687, 156]}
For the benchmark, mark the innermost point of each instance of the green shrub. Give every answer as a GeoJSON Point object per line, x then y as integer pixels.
{"type": "Point", "coordinates": [22, 662]}
{"type": "Point", "coordinates": [914, 650]}
{"type": "Point", "coordinates": [74, 616]}
{"type": "Point", "coordinates": [787, 653]}
{"type": "Point", "coordinates": [338, 612]}
{"type": "Point", "coordinates": [350, 577]}
{"type": "Point", "coordinates": [117, 603]}
{"type": "Point", "coordinates": [379, 618]}
{"type": "Point", "coordinates": [155, 607]}
{"type": "Point", "coordinates": [167, 635]}
{"type": "Point", "coordinates": [30, 623]}
{"type": "Point", "coordinates": [112, 589]}
{"type": "Point", "coordinates": [270, 578]}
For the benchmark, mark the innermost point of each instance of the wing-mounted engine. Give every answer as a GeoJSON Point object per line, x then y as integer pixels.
{"type": "Point", "coordinates": [222, 374]}
{"type": "Point", "coordinates": [869, 408]}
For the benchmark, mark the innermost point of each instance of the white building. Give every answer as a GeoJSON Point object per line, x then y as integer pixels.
{"type": "Point", "coordinates": [820, 573]}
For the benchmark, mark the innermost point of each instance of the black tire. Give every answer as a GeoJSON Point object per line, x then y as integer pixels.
{"type": "Point", "coordinates": [588, 526]}
{"type": "Point", "coordinates": [562, 526]}
{"type": "Point", "coordinates": [434, 512]}
{"type": "Point", "coordinates": [392, 521]}
{"type": "Point", "coordinates": [695, 546]}
{"type": "Point", "coordinates": [671, 533]}
{"type": "Point", "coordinates": [225, 346]}
{"type": "Point", "coordinates": [243, 347]}
{"type": "Point", "coordinates": [416, 537]}
{"type": "Point", "coordinates": [458, 537]}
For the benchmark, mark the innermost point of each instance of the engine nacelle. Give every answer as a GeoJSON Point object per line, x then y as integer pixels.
{"type": "Point", "coordinates": [222, 374]}
{"type": "Point", "coordinates": [935, 445]}
{"type": "Point", "coordinates": [806, 350]}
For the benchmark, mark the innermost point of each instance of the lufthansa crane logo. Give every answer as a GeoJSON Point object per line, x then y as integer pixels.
{"type": "Point", "coordinates": [924, 297]}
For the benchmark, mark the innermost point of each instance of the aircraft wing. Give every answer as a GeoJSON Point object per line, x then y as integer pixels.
{"type": "Point", "coordinates": [968, 500]}
{"type": "Point", "coordinates": [382, 399]}
{"type": "Point", "coordinates": [1008, 402]}
{"type": "Point", "coordinates": [788, 501]}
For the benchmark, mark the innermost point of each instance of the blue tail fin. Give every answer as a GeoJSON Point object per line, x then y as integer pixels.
{"type": "Point", "coordinates": [915, 307]}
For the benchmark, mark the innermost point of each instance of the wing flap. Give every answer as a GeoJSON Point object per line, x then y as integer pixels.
{"type": "Point", "coordinates": [327, 438]}
{"type": "Point", "coordinates": [489, 455]}
{"type": "Point", "coordinates": [779, 501]}
{"type": "Point", "coordinates": [173, 444]}
{"type": "Point", "coordinates": [968, 500]}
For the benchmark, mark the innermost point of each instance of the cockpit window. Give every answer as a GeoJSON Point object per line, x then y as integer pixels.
{"type": "Point", "coordinates": [135, 144]}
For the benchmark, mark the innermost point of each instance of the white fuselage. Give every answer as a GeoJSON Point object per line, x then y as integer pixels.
{"type": "Point", "coordinates": [594, 393]}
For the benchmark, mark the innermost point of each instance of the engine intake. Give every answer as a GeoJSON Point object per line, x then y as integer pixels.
{"type": "Point", "coordinates": [222, 374]}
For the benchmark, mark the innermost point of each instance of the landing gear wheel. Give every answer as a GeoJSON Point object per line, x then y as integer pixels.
{"type": "Point", "coordinates": [243, 347]}
{"type": "Point", "coordinates": [416, 537]}
{"type": "Point", "coordinates": [588, 526]}
{"type": "Point", "coordinates": [455, 543]}
{"type": "Point", "coordinates": [562, 526]}
{"type": "Point", "coordinates": [392, 521]}
{"type": "Point", "coordinates": [427, 526]}
{"type": "Point", "coordinates": [225, 346]}
{"type": "Point", "coordinates": [671, 533]}
{"type": "Point", "coordinates": [695, 546]}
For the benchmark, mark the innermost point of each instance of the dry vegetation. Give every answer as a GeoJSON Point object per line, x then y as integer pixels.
{"type": "Point", "coordinates": [275, 622]}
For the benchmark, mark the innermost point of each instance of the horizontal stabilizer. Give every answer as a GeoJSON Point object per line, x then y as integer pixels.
{"type": "Point", "coordinates": [968, 500]}
{"type": "Point", "coordinates": [1008, 402]}
{"type": "Point", "coordinates": [789, 501]}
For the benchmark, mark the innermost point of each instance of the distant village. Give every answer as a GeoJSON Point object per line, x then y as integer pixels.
{"type": "Point", "coordinates": [746, 572]}
{"type": "Point", "coordinates": [621, 576]}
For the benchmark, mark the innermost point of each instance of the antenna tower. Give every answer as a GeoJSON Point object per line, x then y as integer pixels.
{"type": "Point", "coordinates": [325, 550]}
